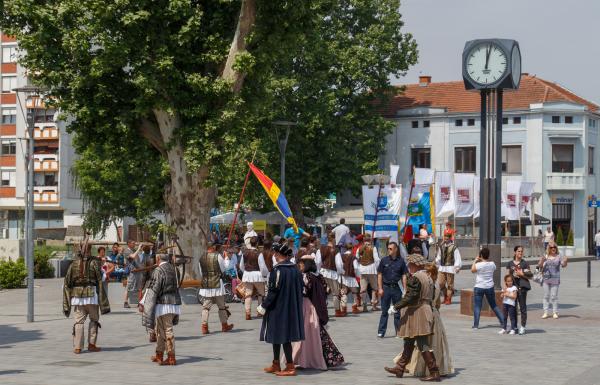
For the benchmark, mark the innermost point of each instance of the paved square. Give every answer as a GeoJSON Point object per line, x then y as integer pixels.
{"type": "Point", "coordinates": [563, 351]}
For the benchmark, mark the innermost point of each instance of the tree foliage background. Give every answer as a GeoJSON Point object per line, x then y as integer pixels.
{"type": "Point", "coordinates": [163, 89]}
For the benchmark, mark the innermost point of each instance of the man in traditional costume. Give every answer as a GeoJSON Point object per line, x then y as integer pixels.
{"type": "Point", "coordinates": [161, 307]}
{"type": "Point", "coordinates": [416, 318]}
{"type": "Point", "coordinates": [83, 289]}
{"type": "Point", "coordinates": [283, 321]}
{"type": "Point", "coordinates": [250, 233]}
{"type": "Point", "coordinates": [368, 260]}
{"type": "Point", "coordinates": [449, 263]}
{"type": "Point", "coordinates": [252, 264]}
{"type": "Point", "coordinates": [325, 260]}
{"type": "Point", "coordinates": [347, 268]}
{"type": "Point", "coordinates": [212, 290]}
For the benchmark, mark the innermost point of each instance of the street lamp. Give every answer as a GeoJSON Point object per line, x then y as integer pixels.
{"type": "Point", "coordinates": [282, 147]}
{"type": "Point", "coordinates": [31, 94]}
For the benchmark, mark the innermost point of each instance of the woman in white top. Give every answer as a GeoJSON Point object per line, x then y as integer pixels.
{"type": "Point", "coordinates": [484, 286]}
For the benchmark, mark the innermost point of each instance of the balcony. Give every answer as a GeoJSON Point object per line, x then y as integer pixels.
{"type": "Point", "coordinates": [45, 165]}
{"type": "Point", "coordinates": [45, 194]}
{"type": "Point", "coordinates": [565, 181]}
{"type": "Point", "coordinates": [45, 132]}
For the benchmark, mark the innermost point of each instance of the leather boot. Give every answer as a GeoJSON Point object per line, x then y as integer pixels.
{"type": "Point", "coordinates": [344, 311]}
{"type": "Point", "coordinates": [398, 370]}
{"type": "Point", "coordinates": [355, 309]}
{"type": "Point", "coordinates": [205, 328]}
{"type": "Point", "coordinates": [225, 327]}
{"type": "Point", "coordinates": [290, 370]}
{"type": "Point", "coordinates": [434, 372]}
{"type": "Point", "coordinates": [77, 351]}
{"type": "Point", "coordinates": [448, 300]}
{"type": "Point", "coordinates": [158, 358]}
{"type": "Point", "coordinates": [338, 313]}
{"type": "Point", "coordinates": [93, 348]}
{"type": "Point", "coordinates": [170, 359]}
{"type": "Point", "coordinates": [248, 316]}
{"type": "Point", "coordinates": [274, 368]}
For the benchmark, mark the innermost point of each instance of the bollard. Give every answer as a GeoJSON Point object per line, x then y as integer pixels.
{"type": "Point", "coordinates": [589, 273]}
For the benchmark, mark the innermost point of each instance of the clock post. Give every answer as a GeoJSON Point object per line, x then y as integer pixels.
{"type": "Point", "coordinates": [490, 66]}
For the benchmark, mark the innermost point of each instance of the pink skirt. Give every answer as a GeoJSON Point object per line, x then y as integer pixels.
{"type": "Point", "coordinates": [308, 354]}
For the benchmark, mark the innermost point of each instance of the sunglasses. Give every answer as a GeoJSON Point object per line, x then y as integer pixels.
{"type": "Point", "coordinates": [390, 248]}
{"type": "Point", "coordinates": [553, 247]}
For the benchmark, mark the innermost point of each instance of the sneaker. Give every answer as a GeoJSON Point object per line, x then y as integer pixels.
{"type": "Point", "coordinates": [380, 335]}
{"type": "Point", "coordinates": [522, 330]}
{"type": "Point", "coordinates": [555, 315]}
{"type": "Point", "coordinates": [545, 315]}
{"type": "Point", "coordinates": [502, 331]}
{"type": "Point", "coordinates": [126, 305]}
{"type": "Point", "coordinates": [512, 332]}
{"type": "Point", "coordinates": [474, 327]}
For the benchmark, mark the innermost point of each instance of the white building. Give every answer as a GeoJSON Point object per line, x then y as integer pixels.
{"type": "Point", "coordinates": [550, 137]}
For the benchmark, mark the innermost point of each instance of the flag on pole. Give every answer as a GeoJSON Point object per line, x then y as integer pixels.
{"type": "Point", "coordinates": [275, 194]}
{"type": "Point", "coordinates": [444, 194]}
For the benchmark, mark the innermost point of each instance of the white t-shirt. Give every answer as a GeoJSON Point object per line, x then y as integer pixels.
{"type": "Point", "coordinates": [597, 239]}
{"type": "Point", "coordinates": [339, 231]}
{"type": "Point", "coordinates": [510, 290]}
{"type": "Point", "coordinates": [548, 236]}
{"type": "Point", "coordinates": [485, 274]}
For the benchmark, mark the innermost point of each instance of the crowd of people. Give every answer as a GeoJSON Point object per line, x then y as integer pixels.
{"type": "Point", "coordinates": [292, 278]}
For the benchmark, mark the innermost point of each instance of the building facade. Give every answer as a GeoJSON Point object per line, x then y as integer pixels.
{"type": "Point", "coordinates": [57, 203]}
{"type": "Point", "coordinates": [550, 137]}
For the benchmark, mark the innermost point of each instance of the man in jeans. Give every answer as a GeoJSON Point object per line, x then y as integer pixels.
{"type": "Point", "coordinates": [391, 270]}
{"type": "Point", "coordinates": [597, 241]}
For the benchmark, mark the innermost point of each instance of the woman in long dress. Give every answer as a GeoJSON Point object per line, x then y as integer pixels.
{"type": "Point", "coordinates": [318, 350]}
{"type": "Point", "coordinates": [439, 343]}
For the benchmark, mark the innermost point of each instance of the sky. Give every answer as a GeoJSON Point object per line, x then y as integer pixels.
{"type": "Point", "coordinates": [559, 39]}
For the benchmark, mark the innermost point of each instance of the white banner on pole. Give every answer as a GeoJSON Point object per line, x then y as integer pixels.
{"type": "Point", "coordinates": [383, 206]}
{"type": "Point", "coordinates": [424, 176]}
{"type": "Point", "coordinates": [513, 189]}
{"type": "Point", "coordinates": [394, 168]}
{"type": "Point", "coordinates": [444, 194]}
{"type": "Point", "coordinates": [525, 194]}
{"type": "Point", "coordinates": [464, 197]}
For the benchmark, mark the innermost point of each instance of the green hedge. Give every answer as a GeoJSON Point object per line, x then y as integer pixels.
{"type": "Point", "coordinates": [12, 274]}
{"type": "Point", "coordinates": [41, 266]}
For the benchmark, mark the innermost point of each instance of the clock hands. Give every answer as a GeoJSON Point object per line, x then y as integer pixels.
{"type": "Point", "coordinates": [488, 51]}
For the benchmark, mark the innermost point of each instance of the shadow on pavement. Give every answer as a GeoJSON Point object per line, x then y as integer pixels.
{"type": "Point", "coordinates": [121, 348]}
{"type": "Point", "coordinates": [13, 371]}
{"type": "Point", "coordinates": [10, 335]}
{"type": "Point", "coordinates": [538, 306]}
{"type": "Point", "coordinates": [193, 359]}
{"type": "Point", "coordinates": [534, 331]}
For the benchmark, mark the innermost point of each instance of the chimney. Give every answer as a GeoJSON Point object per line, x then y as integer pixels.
{"type": "Point", "coordinates": [424, 80]}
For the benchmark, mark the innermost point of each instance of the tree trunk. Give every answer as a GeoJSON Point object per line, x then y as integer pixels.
{"type": "Point", "coordinates": [187, 199]}
{"type": "Point", "coordinates": [296, 207]}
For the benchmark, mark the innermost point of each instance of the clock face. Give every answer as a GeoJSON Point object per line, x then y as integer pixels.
{"type": "Point", "coordinates": [486, 64]}
{"type": "Point", "coordinates": [516, 65]}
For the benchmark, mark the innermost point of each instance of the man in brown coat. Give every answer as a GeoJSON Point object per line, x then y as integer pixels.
{"type": "Point", "coordinates": [416, 318]}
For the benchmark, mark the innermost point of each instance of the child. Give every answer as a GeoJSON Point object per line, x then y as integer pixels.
{"type": "Point", "coordinates": [509, 294]}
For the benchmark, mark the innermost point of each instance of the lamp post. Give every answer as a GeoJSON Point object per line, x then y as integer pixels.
{"type": "Point", "coordinates": [282, 147]}
{"type": "Point", "coordinates": [30, 93]}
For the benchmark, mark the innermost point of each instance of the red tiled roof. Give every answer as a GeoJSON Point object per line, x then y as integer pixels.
{"type": "Point", "coordinates": [453, 96]}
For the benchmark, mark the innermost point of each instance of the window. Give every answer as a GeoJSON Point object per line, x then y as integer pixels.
{"type": "Point", "coordinates": [568, 120]}
{"type": "Point", "coordinates": [9, 147]}
{"type": "Point", "coordinates": [9, 83]}
{"type": "Point", "coordinates": [9, 54]}
{"type": "Point", "coordinates": [562, 158]}
{"type": "Point", "coordinates": [556, 119]}
{"type": "Point", "coordinates": [48, 219]}
{"type": "Point", "coordinates": [471, 122]}
{"type": "Point", "coordinates": [591, 160]}
{"type": "Point", "coordinates": [9, 116]}
{"type": "Point", "coordinates": [421, 157]}
{"type": "Point", "coordinates": [511, 160]}
{"type": "Point", "coordinates": [426, 123]}
{"type": "Point", "coordinates": [504, 120]}
{"type": "Point", "coordinates": [592, 123]}
{"type": "Point", "coordinates": [458, 122]}
{"type": "Point", "coordinates": [465, 159]}
{"type": "Point", "coordinates": [8, 179]}
{"type": "Point", "coordinates": [415, 124]}
{"type": "Point", "coordinates": [517, 120]}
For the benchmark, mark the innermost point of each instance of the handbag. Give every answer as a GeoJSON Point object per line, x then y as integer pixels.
{"type": "Point", "coordinates": [538, 276]}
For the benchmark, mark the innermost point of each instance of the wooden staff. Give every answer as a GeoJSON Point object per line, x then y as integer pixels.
{"type": "Point", "coordinates": [237, 209]}
{"type": "Point", "coordinates": [412, 185]}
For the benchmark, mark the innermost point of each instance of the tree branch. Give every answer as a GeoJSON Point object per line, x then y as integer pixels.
{"type": "Point", "coordinates": [150, 131]}
{"type": "Point", "coordinates": [238, 45]}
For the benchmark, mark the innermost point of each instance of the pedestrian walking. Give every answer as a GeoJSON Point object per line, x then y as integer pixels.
{"type": "Point", "coordinates": [550, 264]}
{"type": "Point", "coordinates": [449, 263]}
{"type": "Point", "coordinates": [519, 269]}
{"type": "Point", "coordinates": [325, 260]}
{"type": "Point", "coordinates": [484, 286]}
{"type": "Point", "coordinates": [368, 259]}
{"type": "Point", "coordinates": [548, 237]}
{"type": "Point", "coordinates": [391, 273]}
{"type": "Point", "coordinates": [509, 299]}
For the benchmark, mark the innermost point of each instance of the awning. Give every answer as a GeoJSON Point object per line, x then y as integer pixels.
{"type": "Point", "coordinates": [539, 220]}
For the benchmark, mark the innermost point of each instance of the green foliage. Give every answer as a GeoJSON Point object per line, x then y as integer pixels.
{"type": "Point", "coordinates": [110, 65]}
{"type": "Point", "coordinates": [42, 267]}
{"type": "Point", "coordinates": [12, 274]}
{"type": "Point", "coordinates": [560, 240]}
{"type": "Point", "coordinates": [570, 240]}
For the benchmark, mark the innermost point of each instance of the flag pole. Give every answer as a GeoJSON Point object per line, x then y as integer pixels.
{"type": "Point", "coordinates": [376, 211]}
{"type": "Point", "coordinates": [408, 203]}
{"type": "Point", "coordinates": [237, 209]}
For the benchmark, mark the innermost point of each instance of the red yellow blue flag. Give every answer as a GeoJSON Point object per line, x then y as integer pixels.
{"type": "Point", "coordinates": [275, 194]}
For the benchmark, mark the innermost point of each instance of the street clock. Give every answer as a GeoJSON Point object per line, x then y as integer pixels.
{"type": "Point", "coordinates": [491, 64]}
